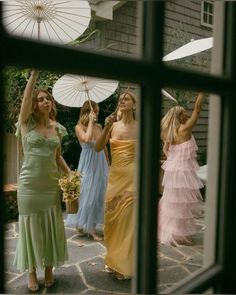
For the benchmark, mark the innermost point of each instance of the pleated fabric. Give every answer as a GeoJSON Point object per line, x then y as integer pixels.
{"type": "Point", "coordinates": [119, 208]}
{"type": "Point", "coordinates": [41, 240]}
{"type": "Point", "coordinates": [181, 200]}
{"type": "Point", "coordinates": [94, 170]}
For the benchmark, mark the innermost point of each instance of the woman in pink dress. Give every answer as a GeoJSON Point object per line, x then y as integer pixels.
{"type": "Point", "coordinates": [179, 205]}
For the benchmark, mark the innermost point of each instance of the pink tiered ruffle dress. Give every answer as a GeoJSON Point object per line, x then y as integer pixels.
{"type": "Point", "coordinates": [180, 203]}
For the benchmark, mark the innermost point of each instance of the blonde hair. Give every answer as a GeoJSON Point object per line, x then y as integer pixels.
{"type": "Point", "coordinates": [133, 97]}
{"type": "Point", "coordinates": [85, 111]}
{"type": "Point", "coordinates": [170, 124]}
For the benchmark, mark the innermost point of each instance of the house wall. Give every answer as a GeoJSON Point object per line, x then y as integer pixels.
{"type": "Point", "coordinates": [118, 36]}
{"type": "Point", "coordinates": [183, 23]}
{"type": "Point", "coordinates": [122, 36]}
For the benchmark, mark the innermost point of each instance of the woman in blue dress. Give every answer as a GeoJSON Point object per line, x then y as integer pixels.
{"type": "Point", "coordinates": [93, 167]}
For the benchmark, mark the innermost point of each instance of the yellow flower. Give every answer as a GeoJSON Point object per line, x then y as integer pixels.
{"type": "Point", "coordinates": [70, 187]}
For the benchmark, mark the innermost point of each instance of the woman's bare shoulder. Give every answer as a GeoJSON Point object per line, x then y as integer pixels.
{"type": "Point", "coordinates": [79, 127]}
{"type": "Point", "coordinates": [97, 125]}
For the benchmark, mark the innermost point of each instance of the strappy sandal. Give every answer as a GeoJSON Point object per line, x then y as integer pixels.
{"type": "Point", "coordinates": [51, 282]}
{"type": "Point", "coordinates": [81, 233]}
{"type": "Point", "coordinates": [48, 284]}
{"type": "Point", "coordinates": [33, 287]}
{"type": "Point", "coordinates": [96, 237]}
{"type": "Point", "coordinates": [108, 269]}
{"type": "Point", "coordinates": [121, 277]}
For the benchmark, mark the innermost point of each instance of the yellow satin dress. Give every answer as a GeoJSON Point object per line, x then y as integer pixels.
{"type": "Point", "coordinates": [119, 207]}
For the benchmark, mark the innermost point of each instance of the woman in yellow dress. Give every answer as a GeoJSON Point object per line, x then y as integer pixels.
{"type": "Point", "coordinates": [119, 199]}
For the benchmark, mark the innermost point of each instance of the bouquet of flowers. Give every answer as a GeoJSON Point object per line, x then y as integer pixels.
{"type": "Point", "coordinates": [71, 191]}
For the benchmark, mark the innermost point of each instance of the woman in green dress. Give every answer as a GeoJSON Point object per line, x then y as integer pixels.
{"type": "Point", "coordinates": [41, 241]}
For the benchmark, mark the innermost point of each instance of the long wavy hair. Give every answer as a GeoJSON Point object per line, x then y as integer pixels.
{"type": "Point", "coordinates": [35, 109]}
{"type": "Point", "coordinates": [170, 124]}
{"type": "Point", "coordinates": [85, 111]}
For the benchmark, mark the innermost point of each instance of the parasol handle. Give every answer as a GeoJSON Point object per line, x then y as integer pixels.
{"type": "Point", "coordinates": [39, 32]}
{"type": "Point", "coordinates": [117, 108]}
{"type": "Point", "coordinates": [89, 100]}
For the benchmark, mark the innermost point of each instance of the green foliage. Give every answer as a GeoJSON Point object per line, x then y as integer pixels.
{"type": "Point", "coordinates": [11, 212]}
{"type": "Point", "coordinates": [15, 81]}
{"type": "Point", "coordinates": [108, 106]}
{"type": "Point", "coordinates": [183, 97]}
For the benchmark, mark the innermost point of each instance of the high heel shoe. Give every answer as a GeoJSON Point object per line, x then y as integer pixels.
{"type": "Point", "coordinates": [48, 277]}
{"type": "Point", "coordinates": [33, 287]}
{"type": "Point", "coordinates": [96, 237]}
{"type": "Point", "coordinates": [48, 284]}
{"type": "Point", "coordinates": [108, 269]}
{"type": "Point", "coordinates": [80, 232]}
{"type": "Point", "coordinates": [121, 277]}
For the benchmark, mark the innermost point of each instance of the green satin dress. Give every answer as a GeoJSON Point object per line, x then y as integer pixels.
{"type": "Point", "coordinates": [41, 240]}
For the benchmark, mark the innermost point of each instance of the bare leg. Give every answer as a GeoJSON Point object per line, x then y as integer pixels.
{"type": "Point", "coordinates": [48, 277]}
{"type": "Point", "coordinates": [95, 236]}
{"type": "Point", "coordinates": [32, 281]}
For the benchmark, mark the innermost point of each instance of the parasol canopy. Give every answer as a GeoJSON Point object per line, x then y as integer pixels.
{"type": "Point", "coordinates": [167, 94]}
{"type": "Point", "coordinates": [57, 21]}
{"type": "Point", "coordinates": [74, 90]}
{"type": "Point", "coordinates": [190, 48]}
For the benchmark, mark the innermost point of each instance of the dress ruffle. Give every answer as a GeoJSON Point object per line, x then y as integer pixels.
{"type": "Point", "coordinates": [181, 200]}
{"type": "Point", "coordinates": [38, 247]}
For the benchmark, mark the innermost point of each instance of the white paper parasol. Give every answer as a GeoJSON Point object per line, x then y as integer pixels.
{"type": "Point", "coordinates": [190, 48]}
{"type": "Point", "coordinates": [167, 94]}
{"type": "Point", "coordinates": [55, 21]}
{"type": "Point", "coordinates": [74, 90]}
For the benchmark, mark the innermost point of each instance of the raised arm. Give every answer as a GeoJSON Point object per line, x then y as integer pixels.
{"type": "Point", "coordinates": [195, 114]}
{"type": "Point", "coordinates": [86, 136]}
{"type": "Point", "coordinates": [26, 105]}
{"type": "Point", "coordinates": [103, 138]}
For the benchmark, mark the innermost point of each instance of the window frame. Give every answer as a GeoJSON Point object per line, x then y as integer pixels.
{"type": "Point", "coordinates": [152, 74]}
{"type": "Point", "coordinates": [203, 12]}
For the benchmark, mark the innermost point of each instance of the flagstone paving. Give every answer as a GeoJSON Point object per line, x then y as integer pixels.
{"type": "Point", "coordinates": [84, 271]}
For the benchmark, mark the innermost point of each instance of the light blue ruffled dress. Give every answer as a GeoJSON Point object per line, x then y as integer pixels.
{"type": "Point", "coordinates": [94, 169]}
{"type": "Point", "coordinates": [42, 240]}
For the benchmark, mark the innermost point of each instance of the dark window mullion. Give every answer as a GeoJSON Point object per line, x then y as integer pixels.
{"type": "Point", "coordinates": [145, 281]}
{"type": "Point", "coordinates": [187, 79]}
{"type": "Point", "coordinates": [2, 211]}
{"type": "Point", "coordinates": [64, 59]}
{"type": "Point", "coordinates": [227, 205]}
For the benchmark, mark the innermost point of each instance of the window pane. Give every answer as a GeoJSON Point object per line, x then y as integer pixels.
{"type": "Point", "coordinates": [210, 19]}
{"type": "Point", "coordinates": [187, 208]}
{"type": "Point", "coordinates": [211, 8]}
{"type": "Point", "coordinates": [86, 252]}
{"type": "Point", "coordinates": [181, 30]}
{"type": "Point", "coordinates": [105, 26]}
